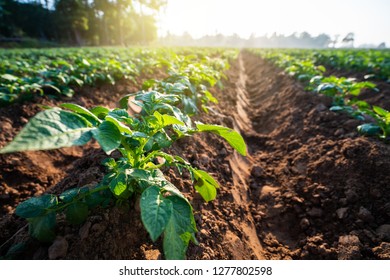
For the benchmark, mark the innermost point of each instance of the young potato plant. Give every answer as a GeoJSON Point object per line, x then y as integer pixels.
{"type": "Point", "coordinates": [140, 140]}
{"type": "Point", "coordinates": [381, 127]}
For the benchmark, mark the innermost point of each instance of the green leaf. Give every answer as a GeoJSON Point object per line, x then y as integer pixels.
{"type": "Point", "coordinates": [122, 128]}
{"type": "Point", "coordinates": [178, 231]}
{"type": "Point", "coordinates": [124, 101]}
{"type": "Point", "coordinates": [51, 129]}
{"type": "Point", "coordinates": [210, 97]}
{"type": "Point", "coordinates": [174, 245]}
{"type": "Point", "coordinates": [156, 211]}
{"type": "Point", "coordinates": [76, 213]}
{"type": "Point", "coordinates": [380, 111]}
{"type": "Point", "coordinates": [205, 185]}
{"type": "Point", "coordinates": [190, 106]}
{"type": "Point", "coordinates": [100, 112]}
{"type": "Point", "coordinates": [82, 111]}
{"type": "Point", "coordinates": [321, 68]}
{"type": "Point", "coordinates": [42, 228]}
{"type": "Point", "coordinates": [118, 184]}
{"type": "Point", "coordinates": [9, 77]}
{"type": "Point", "coordinates": [36, 206]}
{"type": "Point", "coordinates": [182, 215]}
{"type": "Point", "coordinates": [369, 129]}
{"type": "Point", "coordinates": [108, 136]}
{"type": "Point", "coordinates": [68, 195]}
{"type": "Point", "coordinates": [231, 136]}
{"type": "Point", "coordinates": [169, 187]}
{"type": "Point", "coordinates": [97, 198]}
{"type": "Point", "coordinates": [159, 141]}
{"type": "Point", "coordinates": [119, 114]}
{"type": "Point", "coordinates": [165, 120]}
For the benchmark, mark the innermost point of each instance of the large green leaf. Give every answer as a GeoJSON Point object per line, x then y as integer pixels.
{"type": "Point", "coordinates": [174, 245]}
{"type": "Point", "coordinates": [42, 228]}
{"type": "Point", "coordinates": [156, 211]}
{"type": "Point", "coordinates": [76, 213]}
{"type": "Point", "coordinates": [231, 136]}
{"type": "Point", "coordinates": [36, 206]}
{"type": "Point", "coordinates": [82, 111]}
{"type": "Point", "coordinates": [51, 129]}
{"type": "Point", "coordinates": [108, 136]}
{"type": "Point", "coordinates": [179, 229]}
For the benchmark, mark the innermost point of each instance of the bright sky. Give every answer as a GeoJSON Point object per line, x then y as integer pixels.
{"type": "Point", "coordinates": [368, 19]}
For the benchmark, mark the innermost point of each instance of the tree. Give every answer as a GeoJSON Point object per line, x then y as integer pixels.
{"type": "Point", "coordinates": [349, 39]}
{"type": "Point", "coordinates": [72, 19]}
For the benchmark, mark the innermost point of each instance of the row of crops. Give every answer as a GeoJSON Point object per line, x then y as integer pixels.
{"type": "Point", "coordinates": [140, 130]}
{"type": "Point", "coordinates": [27, 73]}
{"type": "Point", "coordinates": [310, 68]}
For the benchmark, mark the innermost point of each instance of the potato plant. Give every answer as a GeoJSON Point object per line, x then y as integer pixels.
{"type": "Point", "coordinates": [140, 139]}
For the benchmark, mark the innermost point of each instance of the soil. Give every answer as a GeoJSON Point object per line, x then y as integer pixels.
{"type": "Point", "coordinates": [310, 187]}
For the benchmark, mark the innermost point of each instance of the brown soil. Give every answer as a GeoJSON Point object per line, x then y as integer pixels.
{"type": "Point", "coordinates": [310, 188]}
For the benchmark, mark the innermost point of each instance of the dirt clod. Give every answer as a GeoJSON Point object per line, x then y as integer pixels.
{"type": "Point", "coordinates": [58, 249]}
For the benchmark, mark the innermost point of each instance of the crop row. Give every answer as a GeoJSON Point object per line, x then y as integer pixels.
{"type": "Point", "coordinates": [140, 130]}
{"type": "Point", "coordinates": [374, 64]}
{"type": "Point", "coordinates": [25, 73]}
{"type": "Point", "coordinates": [344, 91]}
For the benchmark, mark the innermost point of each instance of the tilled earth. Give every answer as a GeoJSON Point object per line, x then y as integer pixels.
{"type": "Point", "coordinates": [310, 187]}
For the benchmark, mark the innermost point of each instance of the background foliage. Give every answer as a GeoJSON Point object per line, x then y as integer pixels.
{"type": "Point", "coordinates": [80, 22]}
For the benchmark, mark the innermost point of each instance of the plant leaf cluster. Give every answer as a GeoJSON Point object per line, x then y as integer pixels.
{"type": "Point", "coordinates": [140, 140]}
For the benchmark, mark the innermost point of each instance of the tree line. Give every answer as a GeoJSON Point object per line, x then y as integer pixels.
{"type": "Point", "coordinates": [81, 22]}
{"type": "Point", "coordinates": [295, 40]}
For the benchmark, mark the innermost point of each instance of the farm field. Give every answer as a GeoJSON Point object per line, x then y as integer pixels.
{"type": "Point", "coordinates": [312, 185]}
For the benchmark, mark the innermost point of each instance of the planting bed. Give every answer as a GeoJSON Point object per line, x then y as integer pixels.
{"type": "Point", "coordinates": [310, 188]}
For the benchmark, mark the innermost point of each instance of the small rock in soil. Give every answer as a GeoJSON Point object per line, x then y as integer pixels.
{"type": "Point", "coordinates": [315, 212]}
{"type": "Point", "coordinates": [98, 228]}
{"type": "Point", "coordinates": [204, 159]}
{"type": "Point", "coordinates": [349, 248]}
{"type": "Point", "coordinates": [342, 212]}
{"type": "Point", "coordinates": [339, 132]}
{"type": "Point", "coordinates": [223, 152]}
{"type": "Point", "coordinates": [351, 195]}
{"type": "Point", "coordinates": [305, 223]}
{"type": "Point", "coordinates": [351, 124]}
{"type": "Point", "coordinates": [23, 120]}
{"type": "Point", "coordinates": [84, 230]}
{"type": "Point", "coordinates": [321, 107]}
{"type": "Point", "coordinates": [365, 215]}
{"type": "Point", "coordinates": [384, 232]}
{"type": "Point", "coordinates": [58, 249]}
{"type": "Point", "coordinates": [257, 171]}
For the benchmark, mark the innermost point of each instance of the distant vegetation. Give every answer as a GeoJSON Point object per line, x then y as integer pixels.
{"type": "Point", "coordinates": [296, 40]}
{"type": "Point", "coordinates": [78, 22]}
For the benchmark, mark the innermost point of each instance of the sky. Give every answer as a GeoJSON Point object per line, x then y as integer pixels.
{"type": "Point", "coordinates": [369, 20]}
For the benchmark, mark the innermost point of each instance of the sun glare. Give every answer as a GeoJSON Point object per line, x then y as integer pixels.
{"type": "Point", "coordinates": [367, 19]}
